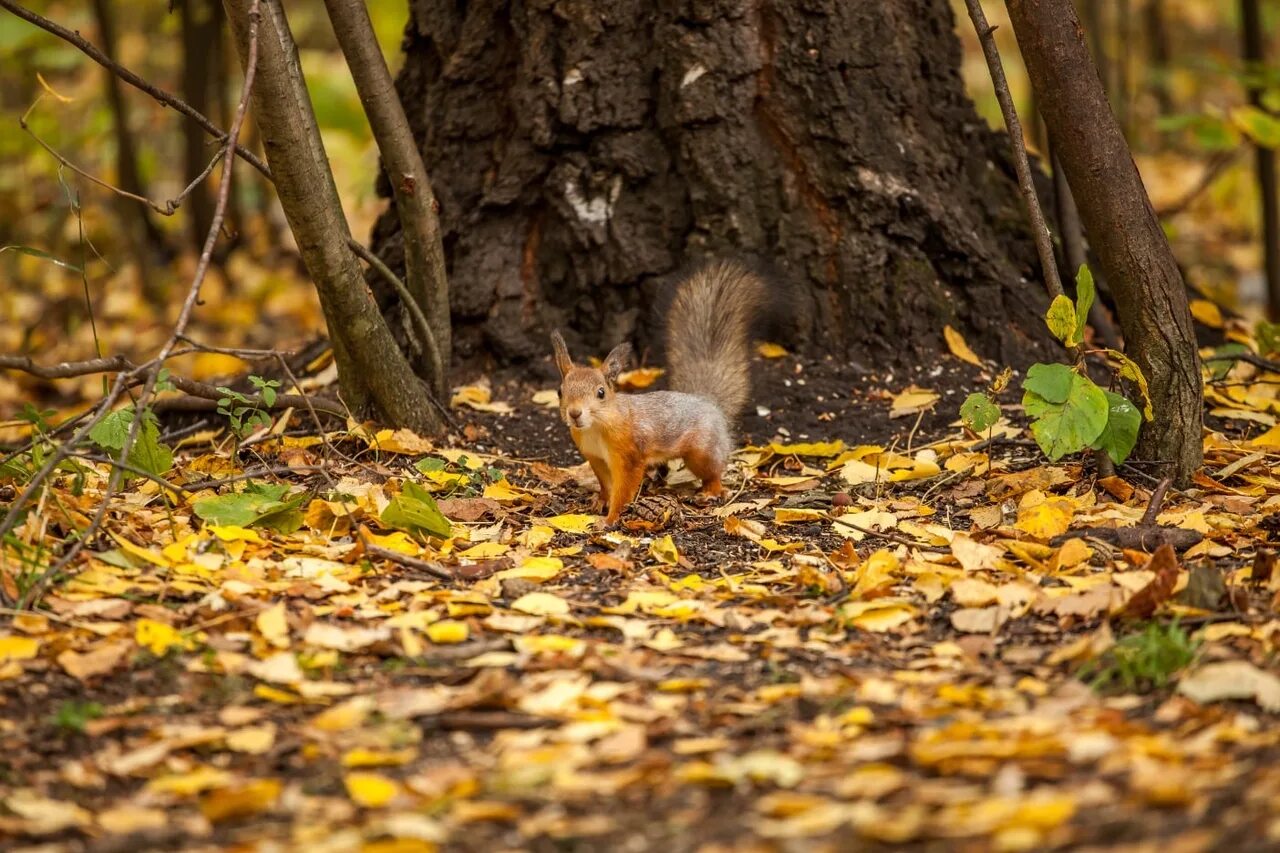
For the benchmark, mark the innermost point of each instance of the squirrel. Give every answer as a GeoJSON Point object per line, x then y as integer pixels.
{"type": "Point", "coordinates": [708, 338]}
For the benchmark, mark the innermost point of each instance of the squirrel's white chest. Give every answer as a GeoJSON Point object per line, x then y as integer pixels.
{"type": "Point", "coordinates": [591, 442]}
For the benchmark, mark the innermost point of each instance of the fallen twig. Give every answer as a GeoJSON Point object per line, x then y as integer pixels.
{"type": "Point", "coordinates": [885, 535]}
{"type": "Point", "coordinates": [430, 567]}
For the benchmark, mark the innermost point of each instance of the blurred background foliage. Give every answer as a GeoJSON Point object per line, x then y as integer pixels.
{"type": "Point", "coordinates": [1173, 68]}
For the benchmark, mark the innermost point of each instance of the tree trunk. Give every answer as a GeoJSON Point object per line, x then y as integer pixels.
{"type": "Point", "coordinates": [585, 151]}
{"type": "Point", "coordinates": [140, 230]}
{"type": "Point", "coordinates": [375, 377]}
{"type": "Point", "coordinates": [201, 76]}
{"type": "Point", "coordinates": [1123, 229]}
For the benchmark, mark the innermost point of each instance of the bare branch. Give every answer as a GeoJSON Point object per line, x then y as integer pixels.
{"type": "Point", "coordinates": [1021, 165]}
{"type": "Point", "coordinates": [168, 99]}
{"type": "Point", "coordinates": [411, 305]}
{"type": "Point", "coordinates": [151, 370]}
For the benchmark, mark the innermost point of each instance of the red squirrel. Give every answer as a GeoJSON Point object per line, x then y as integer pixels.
{"type": "Point", "coordinates": [708, 350]}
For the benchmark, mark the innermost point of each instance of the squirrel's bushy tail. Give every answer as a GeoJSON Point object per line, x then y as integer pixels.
{"type": "Point", "coordinates": [708, 334]}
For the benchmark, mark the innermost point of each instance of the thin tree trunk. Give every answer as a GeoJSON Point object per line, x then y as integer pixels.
{"type": "Point", "coordinates": [411, 186]}
{"type": "Point", "coordinates": [373, 373]}
{"type": "Point", "coordinates": [142, 233]}
{"type": "Point", "coordinates": [1123, 228]}
{"type": "Point", "coordinates": [1255, 58]}
{"type": "Point", "coordinates": [201, 31]}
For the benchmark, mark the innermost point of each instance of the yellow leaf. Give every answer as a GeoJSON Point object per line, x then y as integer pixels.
{"type": "Point", "coordinates": [477, 397]}
{"type": "Point", "coordinates": [785, 515]}
{"type": "Point", "coordinates": [447, 631]}
{"type": "Point", "coordinates": [403, 441]}
{"type": "Point", "coordinates": [912, 401]}
{"type": "Point", "coordinates": [573, 523]}
{"type": "Point", "coordinates": [201, 778]}
{"type": "Point", "coordinates": [485, 551]}
{"type": "Point", "coordinates": [639, 379]}
{"type": "Point", "coordinates": [252, 740]}
{"type": "Point", "coordinates": [159, 637]}
{"type": "Point", "coordinates": [1061, 320]}
{"type": "Point", "coordinates": [549, 398]}
{"type": "Point", "coordinates": [241, 801]}
{"type": "Point", "coordinates": [768, 350]}
{"type": "Point", "coordinates": [370, 790]}
{"type": "Point", "coordinates": [664, 550]}
{"type": "Point", "coordinates": [810, 448]}
{"type": "Point", "coordinates": [550, 644]}
{"type": "Point", "coordinates": [534, 568]}
{"type": "Point", "coordinates": [1206, 313]}
{"type": "Point", "coordinates": [362, 757]}
{"type": "Point", "coordinates": [878, 615]}
{"type": "Point", "coordinates": [1046, 519]}
{"type": "Point", "coordinates": [18, 648]}
{"type": "Point", "coordinates": [128, 819]}
{"type": "Point", "coordinates": [504, 491]}
{"type": "Point", "coordinates": [345, 716]}
{"type": "Point", "coordinates": [958, 347]}
{"type": "Point", "coordinates": [232, 533]}
{"type": "Point", "coordinates": [273, 626]}
{"type": "Point", "coordinates": [273, 694]}
{"type": "Point", "coordinates": [144, 554]}
{"type": "Point", "coordinates": [541, 604]}
{"type": "Point", "coordinates": [537, 536]}
{"type": "Point", "coordinates": [98, 661]}
{"type": "Point", "coordinates": [1269, 439]}
{"type": "Point", "coordinates": [42, 816]}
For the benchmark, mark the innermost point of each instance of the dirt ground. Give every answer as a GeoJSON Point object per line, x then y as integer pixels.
{"type": "Point", "coordinates": [762, 716]}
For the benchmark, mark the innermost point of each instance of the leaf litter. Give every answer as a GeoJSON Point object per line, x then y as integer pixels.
{"type": "Point", "coordinates": [882, 638]}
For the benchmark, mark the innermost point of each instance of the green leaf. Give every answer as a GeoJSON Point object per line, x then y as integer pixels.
{"type": "Point", "coordinates": [428, 464]}
{"type": "Point", "coordinates": [1084, 300]}
{"type": "Point", "coordinates": [415, 511]}
{"type": "Point", "coordinates": [1259, 126]}
{"type": "Point", "coordinates": [1219, 368]}
{"type": "Point", "coordinates": [1128, 370]}
{"type": "Point", "coordinates": [147, 453]}
{"type": "Point", "coordinates": [1061, 319]}
{"type": "Point", "coordinates": [259, 505]}
{"type": "Point", "coordinates": [1069, 425]}
{"type": "Point", "coordinates": [1121, 432]}
{"type": "Point", "coordinates": [1268, 335]}
{"type": "Point", "coordinates": [111, 431]}
{"type": "Point", "coordinates": [1050, 381]}
{"type": "Point", "coordinates": [44, 256]}
{"type": "Point", "coordinates": [978, 412]}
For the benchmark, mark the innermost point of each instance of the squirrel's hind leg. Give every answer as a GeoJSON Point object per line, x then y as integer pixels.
{"type": "Point", "coordinates": [708, 469]}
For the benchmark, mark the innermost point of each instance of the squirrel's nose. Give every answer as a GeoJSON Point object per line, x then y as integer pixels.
{"type": "Point", "coordinates": [575, 413]}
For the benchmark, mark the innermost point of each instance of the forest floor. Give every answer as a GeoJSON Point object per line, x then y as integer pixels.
{"type": "Point", "coordinates": [970, 666]}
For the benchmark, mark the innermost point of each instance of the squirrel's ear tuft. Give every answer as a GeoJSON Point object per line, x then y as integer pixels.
{"type": "Point", "coordinates": [563, 362]}
{"type": "Point", "coordinates": [616, 362]}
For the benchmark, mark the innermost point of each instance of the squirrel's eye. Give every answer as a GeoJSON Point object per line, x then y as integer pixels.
{"type": "Point", "coordinates": [600, 393]}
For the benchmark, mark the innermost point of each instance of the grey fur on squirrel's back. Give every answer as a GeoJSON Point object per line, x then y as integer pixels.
{"type": "Point", "coordinates": [708, 334]}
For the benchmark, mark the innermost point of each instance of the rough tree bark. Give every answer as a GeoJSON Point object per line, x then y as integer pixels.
{"type": "Point", "coordinates": [583, 151]}
{"type": "Point", "coordinates": [375, 377]}
{"type": "Point", "coordinates": [1122, 226]}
